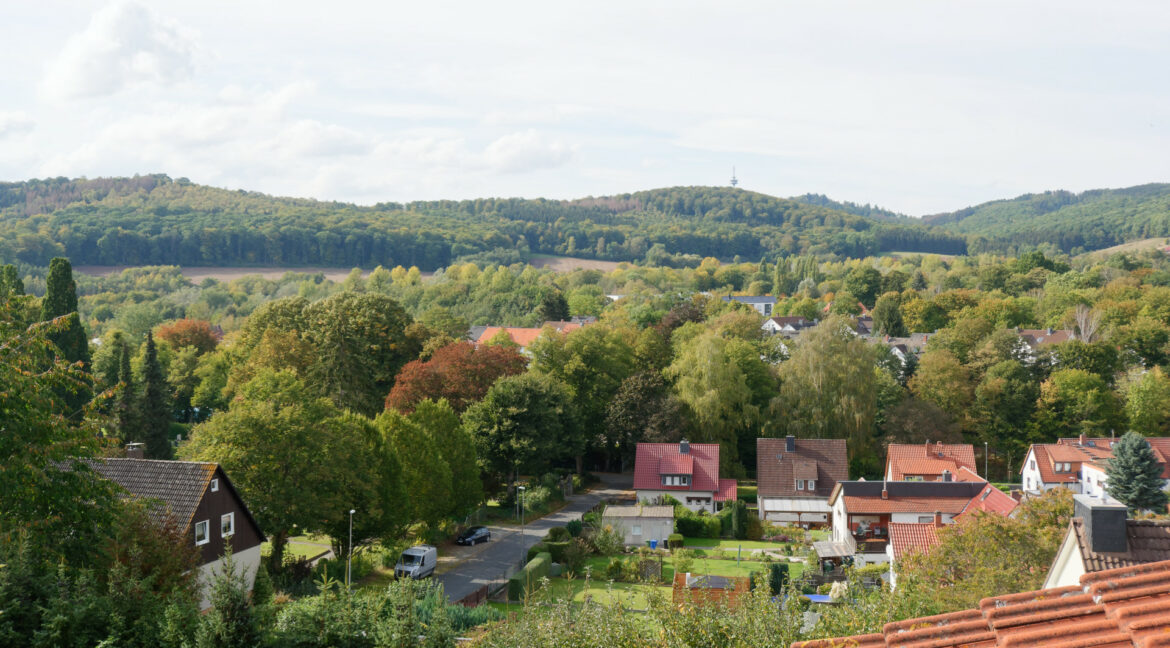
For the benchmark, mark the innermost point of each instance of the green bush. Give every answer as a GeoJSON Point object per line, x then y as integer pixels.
{"type": "Point", "coordinates": [674, 541]}
{"type": "Point", "coordinates": [777, 577]}
{"type": "Point", "coordinates": [683, 559]}
{"type": "Point", "coordinates": [528, 578]}
{"type": "Point", "coordinates": [557, 550]}
{"type": "Point", "coordinates": [575, 555]}
{"type": "Point", "coordinates": [536, 550]}
{"type": "Point", "coordinates": [615, 570]}
{"type": "Point", "coordinates": [872, 571]}
{"type": "Point", "coordinates": [607, 542]}
{"type": "Point", "coordinates": [558, 534]}
{"type": "Point", "coordinates": [714, 527]}
{"type": "Point", "coordinates": [574, 527]}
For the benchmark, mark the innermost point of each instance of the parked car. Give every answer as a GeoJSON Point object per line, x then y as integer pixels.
{"type": "Point", "coordinates": [474, 536]}
{"type": "Point", "coordinates": [417, 562]}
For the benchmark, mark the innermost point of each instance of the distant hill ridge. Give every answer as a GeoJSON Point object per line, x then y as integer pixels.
{"type": "Point", "coordinates": [154, 219]}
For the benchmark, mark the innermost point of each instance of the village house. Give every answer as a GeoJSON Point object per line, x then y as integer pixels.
{"type": "Point", "coordinates": [201, 499]}
{"type": "Point", "coordinates": [931, 462]}
{"type": "Point", "coordinates": [688, 472]}
{"type": "Point", "coordinates": [1127, 606]}
{"type": "Point", "coordinates": [639, 524]}
{"type": "Point", "coordinates": [1100, 536]}
{"type": "Point", "coordinates": [762, 304]}
{"type": "Point", "coordinates": [796, 477]}
{"type": "Point", "coordinates": [787, 325]}
{"type": "Point", "coordinates": [863, 511]}
{"type": "Point", "coordinates": [1079, 464]}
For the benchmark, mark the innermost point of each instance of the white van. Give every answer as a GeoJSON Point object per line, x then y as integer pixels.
{"type": "Point", "coordinates": [417, 562]}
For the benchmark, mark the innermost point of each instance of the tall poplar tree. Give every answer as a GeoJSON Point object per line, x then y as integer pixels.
{"type": "Point", "coordinates": [1135, 476]}
{"type": "Point", "coordinates": [126, 403]}
{"type": "Point", "coordinates": [154, 408]}
{"type": "Point", "coordinates": [61, 300]}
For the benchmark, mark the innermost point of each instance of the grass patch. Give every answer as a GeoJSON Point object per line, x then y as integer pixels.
{"type": "Point", "coordinates": [747, 545]}
{"type": "Point", "coordinates": [296, 549]}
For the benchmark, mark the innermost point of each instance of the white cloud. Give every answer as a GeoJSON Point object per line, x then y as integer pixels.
{"type": "Point", "coordinates": [525, 151]}
{"type": "Point", "coordinates": [14, 123]}
{"type": "Point", "coordinates": [124, 45]}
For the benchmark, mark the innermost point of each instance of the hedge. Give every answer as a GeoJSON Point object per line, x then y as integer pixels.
{"type": "Point", "coordinates": [558, 534]}
{"type": "Point", "coordinates": [528, 579]}
{"type": "Point", "coordinates": [557, 550]}
{"type": "Point", "coordinates": [535, 550]}
{"type": "Point", "coordinates": [674, 541]}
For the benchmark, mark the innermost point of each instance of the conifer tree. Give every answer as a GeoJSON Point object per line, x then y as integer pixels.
{"type": "Point", "coordinates": [10, 282]}
{"type": "Point", "coordinates": [61, 299]}
{"type": "Point", "coordinates": [1135, 476]}
{"type": "Point", "coordinates": [126, 403]}
{"type": "Point", "coordinates": [154, 408]}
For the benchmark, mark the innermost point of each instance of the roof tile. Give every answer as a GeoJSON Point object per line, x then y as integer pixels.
{"type": "Point", "coordinates": [704, 473]}
{"type": "Point", "coordinates": [927, 458]}
{"type": "Point", "coordinates": [775, 469]}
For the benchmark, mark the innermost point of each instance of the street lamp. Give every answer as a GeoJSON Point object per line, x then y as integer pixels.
{"type": "Point", "coordinates": [349, 558]}
{"type": "Point", "coordinates": [985, 475]}
{"type": "Point", "coordinates": [523, 549]}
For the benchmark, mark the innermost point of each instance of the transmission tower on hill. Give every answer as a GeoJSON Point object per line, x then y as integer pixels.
{"type": "Point", "coordinates": [734, 181]}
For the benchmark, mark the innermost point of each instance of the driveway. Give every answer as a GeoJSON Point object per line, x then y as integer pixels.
{"type": "Point", "coordinates": [488, 563]}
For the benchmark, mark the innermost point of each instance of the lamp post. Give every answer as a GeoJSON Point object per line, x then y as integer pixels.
{"type": "Point", "coordinates": [523, 549]}
{"type": "Point", "coordinates": [985, 475]}
{"type": "Point", "coordinates": [349, 558]}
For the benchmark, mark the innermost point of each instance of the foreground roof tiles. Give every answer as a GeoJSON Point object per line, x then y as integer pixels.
{"type": "Point", "coordinates": [1127, 607]}
{"type": "Point", "coordinates": [1146, 541]}
{"type": "Point", "coordinates": [909, 536]}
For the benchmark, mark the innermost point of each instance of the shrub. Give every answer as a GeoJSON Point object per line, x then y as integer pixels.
{"type": "Point", "coordinates": [777, 577]}
{"type": "Point", "coordinates": [691, 526]}
{"type": "Point", "coordinates": [574, 528]}
{"type": "Point", "coordinates": [674, 541]}
{"type": "Point", "coordinates": [714, 527]}
{"type": "Point", "coordinates": [465, 618]}
{"type": "Point", "coordinates": [528, 578]}
{"type": "Point", "coordinates": [755, 530]}
{"type": "Point", "coordinates": [558, 534]}
{"type": "Point", "coordinates": [557, 550]}
{"type": "Point", "coordinates": [536, 550]}
{"type": "Point", "coordinates": [608, 542]}
{"type": "Point", "coordinates": [616, 569]}
{"type": "Point", "coordinates": [683, 560]}
{"type": "Point", "coordinates": [575, 555]}
{"type": "Point", "coordinates": [872, 571]}
{"type": "Point", "coordinates": [734, 520]}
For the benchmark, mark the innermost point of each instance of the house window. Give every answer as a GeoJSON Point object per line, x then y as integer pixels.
{"type": "Point", "coordinates": [214, 485]}
{"type": "Point", "coordinates": [812, 484]}
{"type": "Point", "coordinates": [1032, 464]}
{"type": "Point", "coordinates": [676, 480]}
{"type": "Point", "coordinates": [202, 532]}
{"type": "Point", "coordinates": [227, 525]}
{"type": "Point", "coordinates": [637, 530]}
{"type": "Point", "coordinates": [800, 484]}
{"type": "Point", "coordinates": [925, 519]}
{"type": "Point", "coordinates": [914, 478]}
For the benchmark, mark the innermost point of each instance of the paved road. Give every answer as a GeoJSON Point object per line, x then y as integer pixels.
{"type": "Point", "coordinates": [488, 563]}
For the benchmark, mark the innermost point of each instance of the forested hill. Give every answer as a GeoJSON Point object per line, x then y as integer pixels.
{"type": "Point", "coordinates": [156, 220]}
{"type": "Point", "coordinates": [1074, 222]}
{"type": "Point", "coordinates": [868, 210]}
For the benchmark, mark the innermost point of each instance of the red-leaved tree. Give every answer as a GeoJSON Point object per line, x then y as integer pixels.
{"type": "Point", "coordinates": [459, 372]}
{"type": "Point", "coordinates": [189, 332]}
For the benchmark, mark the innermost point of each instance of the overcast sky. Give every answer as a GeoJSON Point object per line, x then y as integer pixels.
{"type": "Point", "coordinates": [919, 107]}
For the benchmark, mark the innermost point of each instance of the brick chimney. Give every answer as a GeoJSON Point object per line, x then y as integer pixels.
{"type": "Point", "coordinates": [937, 519]}
{"type": "Point", "coordinates": [135, 450]}
{"type": "Point", "coordinates": [1082, 439]}
{"type": "Point", "coordinates": [885, 493]}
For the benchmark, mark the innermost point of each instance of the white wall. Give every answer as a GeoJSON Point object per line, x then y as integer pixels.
{"type": "Point", "coordinates": [1069, 565]}
{"type": "Point", "coordinates": [681, 496]}
{"type": "Point", "coordinates": [246, 562]}
{"type": "Point", "coordinates": [651, 529]}
{"type": "Point", "coordinates": [840, 526]}
{"type": "Point", "coordinates": [912, 518]}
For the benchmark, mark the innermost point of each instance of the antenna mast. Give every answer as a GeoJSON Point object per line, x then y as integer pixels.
{"type": "Point", "coordinates": [734, 181]}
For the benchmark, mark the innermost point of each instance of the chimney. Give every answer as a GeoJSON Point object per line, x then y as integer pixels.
{"type": "Point", "coordinates": [946, 475]}
{"type": "Point", "coordinates": [885, 493]}
{"type": "Point", "coordinates": [135, 450]}
{"type": "Point", "coordinates": [790, 443]}
{"type": "Point", "coordinates": [1105, 523]}
{"type": "Point", "coordinates": [1082, 439]}
{"type": "Point", "coordinates": [684, 447]}
{"type": "Point", "coordinates": [937, 519]}
{"type": "Point", "coordinates": [1049, 330]}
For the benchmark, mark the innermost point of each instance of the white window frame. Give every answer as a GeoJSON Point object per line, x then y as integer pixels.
{"type": "Point", "coordinates": [800, 484]}
{"type": "Point", "coordinates": [215, 485]}
{"type": "Point", "coordinates": [206, 524]}
{"type": "Point", "coordinates": [925, 519]}
{"type": "Point", "coordinates": [637, 530]}
{"type": "Point", "coordinates": [230, 518]}
{"type": "Point", "coordinates": [810, 484]}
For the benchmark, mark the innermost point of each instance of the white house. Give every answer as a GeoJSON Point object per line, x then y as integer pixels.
{"type": "Point", "coordinates": [640, 523]}
{"type": "Point", "coordinates": [1079, 464]}
{"type": "Point", "coordinates": [787, 325]}
{"type": "Point", "coordinates": [763, 304]}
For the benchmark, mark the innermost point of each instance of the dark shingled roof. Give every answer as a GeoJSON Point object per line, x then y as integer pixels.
{"type": "Point", "coordinates": [177, 486]}
{"type": "Point", "coordinates": [776, 468]}
{"type": "Point", "coordinates": [1148, 541]}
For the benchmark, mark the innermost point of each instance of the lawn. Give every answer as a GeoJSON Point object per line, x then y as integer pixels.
{"type": "Point", "coordinates": [699, 565]}
{"type": "Point", "coordinates": [296, 549]}
{"type": "Point", "coordinates": [747, 545]}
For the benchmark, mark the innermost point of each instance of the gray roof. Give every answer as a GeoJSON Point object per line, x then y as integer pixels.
{"type": "Point", "coordinates": [475, 332]}
{"type": "Point", "coordinates": [911, 488]}
{"type": "Point", "coordinates": [704, 581]}
{"type": "Point", "coordinates": [178, 486]}
{"type": "Point", "coordinates": [751, 300]}
{"type": "Point", "coordinates": [639, 511]}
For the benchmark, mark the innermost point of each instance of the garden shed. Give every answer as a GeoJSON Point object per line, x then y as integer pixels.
{"type": "Point", "coordinates": [640, 523]}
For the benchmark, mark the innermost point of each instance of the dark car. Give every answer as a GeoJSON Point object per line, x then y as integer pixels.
{"type": "Point", "coordinates": [474, 535]}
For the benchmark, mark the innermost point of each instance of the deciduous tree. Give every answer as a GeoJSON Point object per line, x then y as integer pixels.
{"type": "Point", "coordinates": [461, 373]}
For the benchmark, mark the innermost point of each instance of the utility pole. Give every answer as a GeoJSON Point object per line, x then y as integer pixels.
{"type": "Point", "coordinates": [985, 475]}
{"type": "Point", "coordinates": [349, 558]}
{"type": "Point", "coordinates": [520, 501]}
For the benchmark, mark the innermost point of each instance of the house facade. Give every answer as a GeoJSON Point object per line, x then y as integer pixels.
{"type": "Point", "coordinates": [201, 498]}
{"type": "Point", "coordinates": [640, 523]}
{"type": "Point", "coordinates": [688, 472]}
{"type": "Point", "coordinates": [763, 304]}
{"type": "Point", "coordinates": [787, 325]}
{"type": "Point", "coordinates": [1079, 464]}
{"type": "Point", "coordinates": [930, 462]}
{"type": "Point", "coordinates": [796, 478]}
{"type": "Point", "coordinates": [862, 513]}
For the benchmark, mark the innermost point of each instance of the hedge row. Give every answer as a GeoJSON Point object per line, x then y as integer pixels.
{"type": "Point", "coordinates": [528, 579]}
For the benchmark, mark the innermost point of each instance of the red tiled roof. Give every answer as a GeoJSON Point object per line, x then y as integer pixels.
{"type": "Point", "coordinates": [965, 474]}
{"type": "Point", "coordinates": [928, 459]}
{"type": "Point", "coordinates": [521, 336]}
{"type": "Point", "coordinates": [677, 464]}
{"type": "Point", "coordinates": [990, 500]}
{"type": "Point", "coordinates": [907, 536]}
{"type": "Point", "coordinates": [865, 505]}
{"type": "Point", "coordinates": [776, 471]}
{"type": "Point", "coordinates": [728, 490]}
{"type": "Point", "coordinates": [1126, 607]}
{"type": "Point", "coordinates": [704, 472]}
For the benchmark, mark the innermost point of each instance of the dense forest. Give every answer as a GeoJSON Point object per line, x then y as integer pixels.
{"type": "Point", "coordinates": [156, 220]}
{"type": "Point", "coordinates": [1072, 222]}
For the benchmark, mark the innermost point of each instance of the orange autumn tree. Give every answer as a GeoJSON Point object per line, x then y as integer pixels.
{"type": "Point", "coordinates": [459, 372]}
{"type": "Point", "coordinates": [189, 332]}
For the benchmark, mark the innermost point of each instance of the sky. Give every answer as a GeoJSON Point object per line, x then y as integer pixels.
{"type": "Point", "coordinates": [920, 107]}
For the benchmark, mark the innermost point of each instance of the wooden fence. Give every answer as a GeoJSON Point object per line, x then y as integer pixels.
{"type": "Point", "coordinates": [475, 598]}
